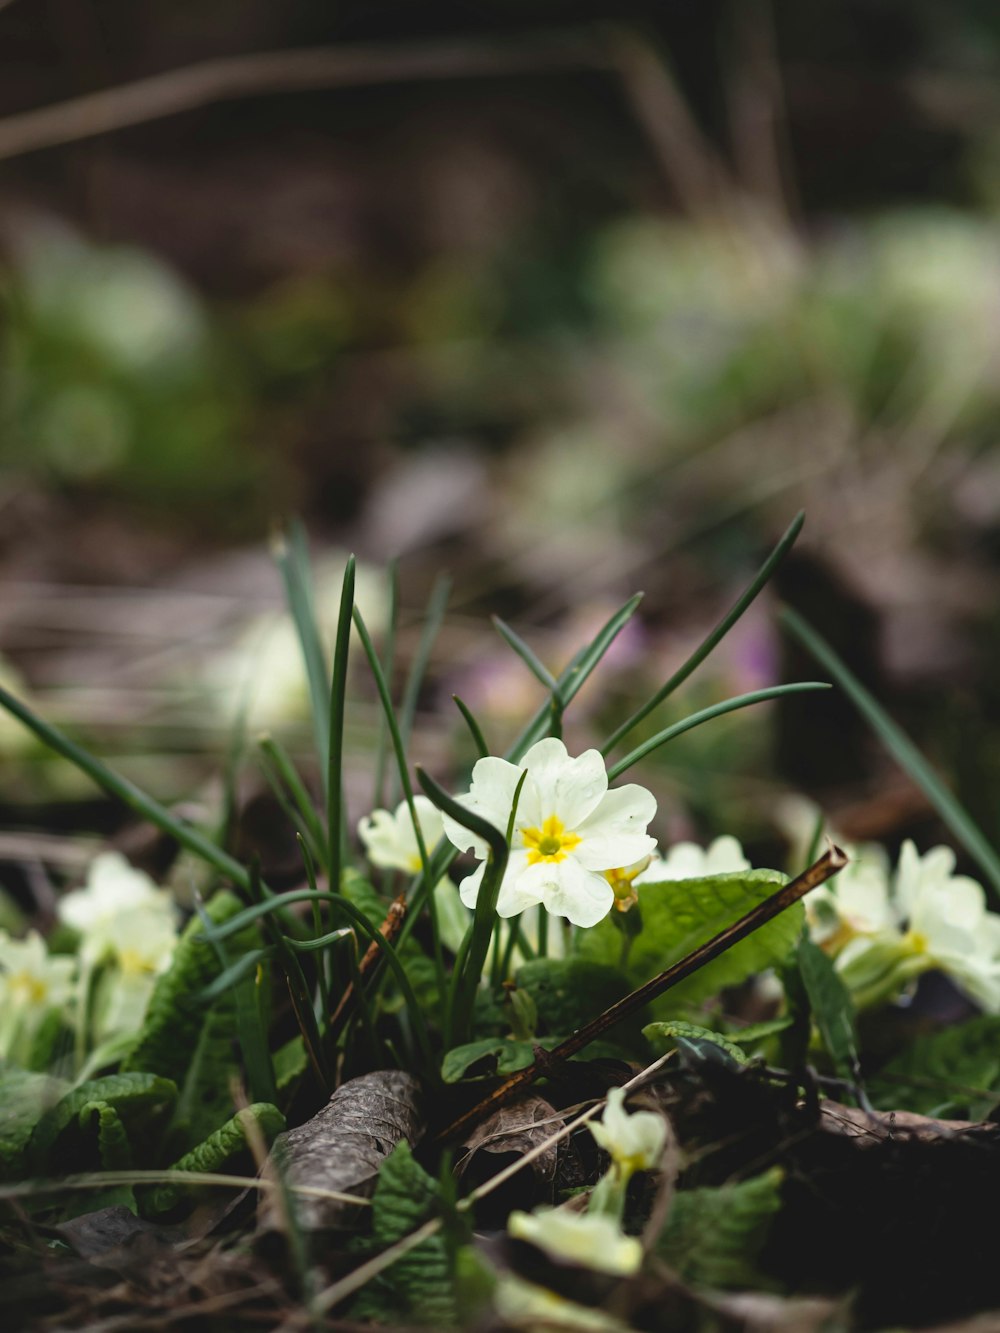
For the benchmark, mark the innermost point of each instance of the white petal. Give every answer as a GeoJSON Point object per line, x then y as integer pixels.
{"type": "Point", "coordinates": [626, 809]}
{"type": "Point", "coordinates": [491, 796]}
{"type": "Point", "coordinates": [568, 889]}
{"type": "Point", "coordinates": [519, 890]}
{"type": "Point", "coordinates": [385, 843]}
{"type": "Point", "coordinates": [469, 888]}
{"type": "Point", "coordinates": [568, 787]}
{"type": "Point", "coordinates": [617, 849]}
{"type": "Point", "coordinates": [428, 817]}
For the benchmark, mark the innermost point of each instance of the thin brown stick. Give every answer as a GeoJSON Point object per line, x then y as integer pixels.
{"type": "Point", "coordinates": [299, 70]}
{"type": "Point", "coordinates": [825, 868]}
{"type": "Point", "coordinates": [389, 929]}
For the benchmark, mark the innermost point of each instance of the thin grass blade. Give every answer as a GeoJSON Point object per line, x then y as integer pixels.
{"type": "Point", "coordinates": [706, 715]}
{"type": "Point", "coordinates": [528, 657]}
{"type": "Point", "coordinates": [336, 827]}
{"type": "Point", "coordinates": [127, 792]}
{"type": "Point", "coordinates": [759, 581]}
{"type": "Point", "coordinates": [292, 558]}
{"type": "Point", "coordinates": [902, 749]}
{"type": "Point", "coordinates": [479, 740]}
{"type": "Point", "coordinates": [574, 676]}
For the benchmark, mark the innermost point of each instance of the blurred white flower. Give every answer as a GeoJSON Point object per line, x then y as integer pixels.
{"type": "Point", "coordinates": [390, 840]}
{"type": "Point", "coordinates": [32, 982]}
{"type": "Point", "coordinates": [686, 860]}
{"type": "Point", "coordinates": [116, 907]}
{"type": "Point", "coordinates": [569, 829]}
{"type": "Point", "coordinates": [634, 1140]}
{"type": "Point", "coordinates": [883, 932]}
{"type": "Point", "coordinates": [525, 1305]}
{"type": "Point", "coordinates": [594, 1240]}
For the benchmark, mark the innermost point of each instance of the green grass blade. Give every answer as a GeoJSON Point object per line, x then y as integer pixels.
{"type": "Point", "coordinates": [283, 778]}
{"type": "Point", "coordinates": [292, 558]}
{"type": "Point", "coordinates": [322, 970]}
{"type": "Point", "coordinates": [466, 978]}
{"type": "Point", "coordinates": [712, 641]}
{"type": "Point", "coordinates": [528, 657]}
{"type": "Point", "coordinates": [127, 792]}
{"type": "Point", "coordinates": [706, 715]}
{"type": "Point", "coordinates": [382, 743]}
{"type": "Point", "coordinates": [479, 740]}
{"type": "Point", "coordinates": [436, 607]}
{"type": "Point", "coordinates": [404, 777]}
{"type": "Point", "coordinates": [335, 814]}
{"type": "Point", "coordinates": [573, 677]}
{"type": "Point", "coordinates": [902, 749]}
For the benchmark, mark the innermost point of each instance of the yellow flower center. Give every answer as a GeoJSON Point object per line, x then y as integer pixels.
{"type": "Point", "coordinates": [27, 988]}
{"type": "Point", "coordinates": [133, 962]}
{"type": "Point", "coordinates": [916, 941]}
{"type": "Point", "coordinates": [551, 842]}
{"type": "Point", "coordinates": [620, 879]}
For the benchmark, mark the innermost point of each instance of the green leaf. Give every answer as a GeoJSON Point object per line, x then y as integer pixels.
{"type": "Point", "coordinates": [290, 1062]}
{"type": "Point", "coordinates": [714, 1235]}
{"type": "Point", "coordinates": [419, 1285]}
{"type": "Point", "coordinates": [113, 1145]}
{"type": "Point", "coordinates": [568, 992]}
{"type": "Point", "coordinates": [175, 1017]}
{"type": "Point", "coordinates": [953, 1074]}
{"type": "Point", "coordinates": [831, 1006]}
{"type": "Point", "coordinates": [188, 1041]}
{"type": "Point", "coordinates": [498, 1055]}
{"type": "Point", "coordinates": [674, 1029]}
{"type": "Point", "coordinates": [219, 1151]}
{"type": "Point", "coordinates": [679, 915]}
{"type": "Point", "coordinates": [24, 1099]}
{"type": "Point", "coordinates": [64, 1138]}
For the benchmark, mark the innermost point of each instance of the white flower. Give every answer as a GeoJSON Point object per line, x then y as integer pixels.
{"type": "Point", "coordinates": [856, 905]}
{"type": "Point", "coordinates": [31, 983]}
{"type": "Point", "coordinates": [121, 913]}
{"type": "Point", "coordinates": [527, 1306]}
{"type": "Point", "coordinates": [949, 926]}
{"type": "Point", "coordinates": [883, 934]}
{"type": "Point", "coordinates": [594, 1240]}
{"type": "Point", "coordinates": [391, 840]}
{"type": "Point", "coordinates": [686, 860]}
{"type": "Point", "coordinates": [569, 829]}
{"type": "Point", "coordinates": [635, 1141]}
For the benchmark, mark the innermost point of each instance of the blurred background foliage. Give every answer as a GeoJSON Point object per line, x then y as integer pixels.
{"type": "Point", "coordinates": [568, 299]}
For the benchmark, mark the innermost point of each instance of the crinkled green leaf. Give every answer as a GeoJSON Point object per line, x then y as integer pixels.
{"type": "Point", "coordinates": [175, 1017]}
{"type": "Point", "coordinates": [205, 1094]}
{"type": "Point", "coordinates": [954, 1073]}
{"type": "Point", "coordinates": [191, 1042]}
{"type": "Point", "coordinates": [496, 1055]}
{"type": "Point", "coordinates": [831, 1006]}
{"type": "Point", "coordinates": [678, 916]}
{"type": "Point", "coordinates": [568, 992]}
{"type": "Point", "coordinates": [714, 1235]}
{"type": "Point", "coordinates": [64, 1138]}
{"type": "Point", "coordinates": [754, 1033]}
{"type": "Point", "coordinates": [24, 1098]}
{"type": "Point", "coordinates": [673, 1030]}
{"type": "Point", "coordinates": [216, 1153]}
{"type": "Point", "coordinates": [419, 1286]}
{"type": "Point", "coordinates": [112, 1139]}
{"type": "Point", "coordinates": [290, 1062]}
